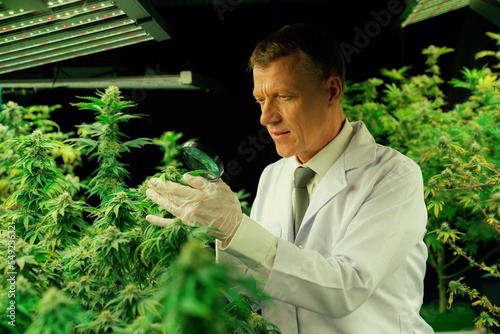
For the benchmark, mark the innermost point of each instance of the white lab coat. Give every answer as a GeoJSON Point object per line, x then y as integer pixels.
{"type": "Point", "coordinates": [358, 262]}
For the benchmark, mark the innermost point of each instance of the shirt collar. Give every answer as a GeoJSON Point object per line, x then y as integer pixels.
{"type": "Point", "coordinates": [325, 158]}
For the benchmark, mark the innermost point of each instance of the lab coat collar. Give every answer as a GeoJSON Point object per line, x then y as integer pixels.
{"type": "Point", "coordinates": [360, 152]}
{"type": "Point", "coordinates": [362, 148]}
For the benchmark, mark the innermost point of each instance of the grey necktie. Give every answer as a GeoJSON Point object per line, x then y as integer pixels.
{"type": "Point", "coordinates": [302, 176]}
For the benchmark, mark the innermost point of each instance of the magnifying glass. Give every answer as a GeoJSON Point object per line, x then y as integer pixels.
{"type": "Point", "coordinates": [201, 161]}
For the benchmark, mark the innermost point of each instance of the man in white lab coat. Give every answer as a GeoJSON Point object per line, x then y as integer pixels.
{"type": "Point", "coordinates": [355, 263]}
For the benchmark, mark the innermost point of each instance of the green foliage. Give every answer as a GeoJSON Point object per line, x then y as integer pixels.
{"type": "Point", "coordinates": [457, 149]}
{"type": "Point", "coordinates": [38, 180]}
{"type": "Point", "coordinates": [77, 267]}
{"type": "Point", "coordinates": [185, 310]}
{"type": "Point", "coordinates": [58, 314]}
{"type": "Point", "coordinates": [16, 123]}
{"type": "Point", "coordinates": [168, 143]}
{"type": "Point", "coordinates": [102, 140]}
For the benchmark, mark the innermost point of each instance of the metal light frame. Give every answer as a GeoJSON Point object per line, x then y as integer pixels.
{"type": "Point", "coordinates": [53, 31]}
{"type": "Point", "coordinates": [420, 10]}
{"type": "Point", "coordinates": [185, 80]}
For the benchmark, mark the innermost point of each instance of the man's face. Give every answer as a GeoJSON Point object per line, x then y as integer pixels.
{"type": "Point", "coordinates": [300, 113]}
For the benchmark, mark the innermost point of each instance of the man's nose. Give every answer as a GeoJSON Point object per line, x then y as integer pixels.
{"type": "Point", "coordinates": [269, 113]}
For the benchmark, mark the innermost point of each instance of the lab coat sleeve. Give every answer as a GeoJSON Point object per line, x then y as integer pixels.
{"type": "Point", "coordinates": [252, 246]}
{"type": "Point", "coordinates": [387, 225]}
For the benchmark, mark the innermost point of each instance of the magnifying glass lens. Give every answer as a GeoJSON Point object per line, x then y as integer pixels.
{"type": "Point", "coordinates": [201, 161]}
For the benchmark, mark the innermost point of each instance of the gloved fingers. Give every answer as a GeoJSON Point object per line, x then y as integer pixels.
{"type": "Point", "coordinates": [159, 221]}
{"type": "Point", "coordinates": [171, 189]}
{"type": "Point", "coordinates": [206, 186]}
{"type": "Point", "coordinates": [165, 203]}
{"type": "Point", "coordinates": [196, 181]}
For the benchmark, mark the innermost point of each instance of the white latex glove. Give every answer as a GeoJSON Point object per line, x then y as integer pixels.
{"type": "Point", "coordinates": [202, 203]}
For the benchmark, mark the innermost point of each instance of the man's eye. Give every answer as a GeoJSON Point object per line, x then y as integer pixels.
{"type": "Point", "coordinates": [260, 102]}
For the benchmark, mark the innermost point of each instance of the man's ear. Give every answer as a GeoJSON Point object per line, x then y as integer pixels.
{"type": "Point", "coordinates": [335, 87]}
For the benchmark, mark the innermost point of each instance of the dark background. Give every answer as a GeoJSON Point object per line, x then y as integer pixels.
{"type": "Point", "coordinates": [225, 116]}
{"type": "Point", "coordinates": [217, 45]}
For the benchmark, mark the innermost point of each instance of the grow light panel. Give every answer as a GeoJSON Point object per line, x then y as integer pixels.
{"type": "Point", "coordinates": [63, 29]}
{"type": "Point", "coordinates": [419, 10]}
{"type": "Point", "coordinates": [184, 80]}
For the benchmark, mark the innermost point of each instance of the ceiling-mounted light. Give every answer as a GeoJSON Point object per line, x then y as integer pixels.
{"type": "Point", "coordinates": [61, 27]}
{"type": "Point", "coordinates": [183, 80]}
{"type": "Point", "coordinates": [40, 21]}
{"type": "Point", "coordinates": [33, 36]}
{"type": "Point", "coordinates": [419, 10]}
{"type": "Point", "coordinates": [25, 5]}
{"type": "Point", "coordinates": [145, 15]}
{"type": "Point", "coordinates": [81, 48]}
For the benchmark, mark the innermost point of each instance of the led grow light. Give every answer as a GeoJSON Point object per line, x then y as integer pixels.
{"type": "Point", "coordinates": [33, 35]}
{"type": "Point", "coordinates": [62, 28]}
{"type": "Point", "coordinates": [79, 49]}
{"type": "Point", "coordinates": [419, 10]}
{"type": "Point", "coordinates": [183, 80]}
{"type": "Point", "coordinates": [62, 16]}
{"type": "Point", "coordinates": [73, 37]}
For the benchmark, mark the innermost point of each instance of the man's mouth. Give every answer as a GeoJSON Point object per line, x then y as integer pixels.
{"type": "Point", "coordinates": [279, 134]}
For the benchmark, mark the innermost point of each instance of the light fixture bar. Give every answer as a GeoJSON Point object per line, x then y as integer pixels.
{"type": "Point", "coordinates": [426, 9]}
{"type": "Point", "coordinates": [146, 16]}
{"type": "Point", "coordinates": [44, 19]}
{"type": "Point", "coordinates": [18, 8]}
{"type": "Point", "coordinates": [61, 26]}
{"type": "Point", "coordinates": [75, 52]}
{"type": "Point", "coordinates": [75, 47]}
{"type": "Point", "coordinates": [442, 7]}
{"type": "Point", "coordinates": [12, 13]}
{"type": "Point", "coordinates": [135, 9]}
{"type": "Point", "coordinates": [37, 32]}
{"type": "Point", "coordinates": [183, 80]}
{"type": "Point", "coordinates": [59, 3]}
{"type": "Point", "coordinates": [155, 26]}
{"type": "Point", "coordinates": [67, 38]}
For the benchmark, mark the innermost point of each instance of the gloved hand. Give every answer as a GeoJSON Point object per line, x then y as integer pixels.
{"type": "Point", "coordinates": [202, 203]}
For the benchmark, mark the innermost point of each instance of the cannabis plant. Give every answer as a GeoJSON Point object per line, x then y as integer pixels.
{"type": "Point", "coordinates": [456, 146]}
{"type": "Point", "coordinates": [102, 140]}
{"type": "Point", "coordinates": [17, 122]}
{"type": "Point", "coordinates": [75, 264]}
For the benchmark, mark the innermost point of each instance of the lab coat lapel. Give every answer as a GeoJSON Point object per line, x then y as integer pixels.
{"type": "Point", "coordinates": [332, 184]}
{"type": "Point", "coordinates": [360, 152]}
